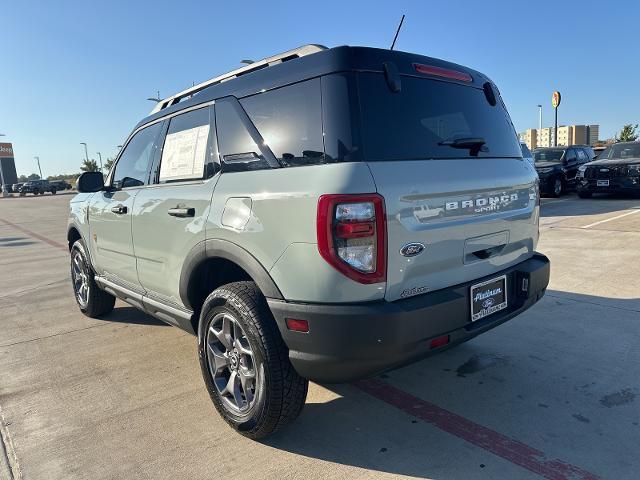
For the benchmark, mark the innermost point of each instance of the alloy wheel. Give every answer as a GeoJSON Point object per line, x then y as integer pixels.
{"type": "Point", "coordinates": [232, 363]}
{"type": "Point", "coordinates": [80, 277]}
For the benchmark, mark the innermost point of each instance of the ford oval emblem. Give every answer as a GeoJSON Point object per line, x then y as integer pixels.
{"type": "Point", "coordinates": [488, 303]}
{"type": "Point", "coordinates": [412, 249]}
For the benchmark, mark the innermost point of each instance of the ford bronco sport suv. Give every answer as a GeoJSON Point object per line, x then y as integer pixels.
{"type": "Point", "coordinates": [271, 211]}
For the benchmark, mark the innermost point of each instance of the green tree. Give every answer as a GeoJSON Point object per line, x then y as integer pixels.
{"type": "Point", "coordinates": [22, 178]}
{"type": "Point", "coordinates": [89, 166]}
{"type": "Point", "coordinates": [33, 176]}
{"type": "Point", "coordinates": [108, 164]}
{"type": "Point", "coordinates": [628, 133]}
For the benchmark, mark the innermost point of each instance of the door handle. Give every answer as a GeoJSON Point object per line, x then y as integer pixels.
{"type": "Point", "coordinates": [119, 209]}
{"type": "Point", "coordinates": [182, 212]}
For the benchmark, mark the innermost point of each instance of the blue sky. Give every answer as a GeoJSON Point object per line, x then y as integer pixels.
{"type": "Point", "coordinates": [74, 72]}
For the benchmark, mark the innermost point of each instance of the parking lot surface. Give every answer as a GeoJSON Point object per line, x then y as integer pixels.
{"type": "Point", "coordinates": [553, 394]}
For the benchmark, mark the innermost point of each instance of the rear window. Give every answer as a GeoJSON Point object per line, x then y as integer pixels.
{"type": "Point", "coordinates": [552, 155]}
{"type": "Point", "coordinates": [426, 117]}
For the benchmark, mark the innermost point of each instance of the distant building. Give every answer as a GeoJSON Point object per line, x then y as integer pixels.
{"type": "Point", "coordinates": [8, 174]}
{"type": "Point", "coordinates": [567, 135]}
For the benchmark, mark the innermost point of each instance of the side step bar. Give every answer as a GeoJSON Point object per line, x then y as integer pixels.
{"type": "Point", "coordinates": [170, 314]}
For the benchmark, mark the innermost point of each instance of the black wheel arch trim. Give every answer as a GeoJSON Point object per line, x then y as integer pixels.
{"type": "Point", "coordinates": [217, 248]}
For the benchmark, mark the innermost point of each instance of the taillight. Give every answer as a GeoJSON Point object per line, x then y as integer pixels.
{"type": "Point", "coordinates": [352, 236]}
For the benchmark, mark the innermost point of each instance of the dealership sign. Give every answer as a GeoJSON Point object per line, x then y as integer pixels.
{"type": "Point", "coordinates": [555, 99]}
{"type": "Point", "coordinates": [6, 150]}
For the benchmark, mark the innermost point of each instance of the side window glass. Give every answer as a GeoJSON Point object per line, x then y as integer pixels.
{"type": "Point", "coordinates": [132, 169]}
{"type": "Point", "coordinates": [571, 155]}
{"type": "Point", "coordinates": [581, 156]}
{"type": "Point", "coordinates": [238, 151]}
{"type": "Point", "coordinates": [185, 153]}
{"type": "Point", "coordinates": [290, 121]}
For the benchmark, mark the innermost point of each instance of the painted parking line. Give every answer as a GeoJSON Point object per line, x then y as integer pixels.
{"type": "Point", "coordinates": [35, 235]}
{"type": "Point", "coordinates": [637, 209]}
{"type": "Point", "coordinates": [505, 447]}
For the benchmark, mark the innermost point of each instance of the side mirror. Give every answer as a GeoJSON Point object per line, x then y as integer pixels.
{"type": "Point", "coordinates": [90, 182]}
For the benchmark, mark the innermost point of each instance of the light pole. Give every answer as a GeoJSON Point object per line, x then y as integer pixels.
{"type": "Point", "coordinates": [86, 154]}
{"type": "Point", "coordinates": [100, 156]}
{"type": "Point", "coordinates": [39, 169]}
{"type": "Point", "coordinates": [539, 117]}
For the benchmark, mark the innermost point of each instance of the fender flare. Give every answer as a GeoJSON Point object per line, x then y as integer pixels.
{"type": "Point", "coordinates": [217, 248]}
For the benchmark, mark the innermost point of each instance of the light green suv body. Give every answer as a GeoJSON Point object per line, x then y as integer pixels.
{"type": "Point", "coordinates": [297, 195]}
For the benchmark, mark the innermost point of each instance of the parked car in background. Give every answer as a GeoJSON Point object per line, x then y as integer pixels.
{"type": "Point", "coordinates": [526, 153]}
{"type": "Point", "coordinates": [15, 188]}
{"type": "Point", "coordinates": [37, 187]}
{"type": "Point", "coordinates": [617, 170]}
{"type": "Point", "coordinates": [557, 167]}
{"type": "Point", "coordinates": [60, 185]}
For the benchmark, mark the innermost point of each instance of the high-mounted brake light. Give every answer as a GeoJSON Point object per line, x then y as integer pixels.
{"type": "Point", "coordinates": [352, 235]}
{"type": "Point", "coordinates": [442, 72]}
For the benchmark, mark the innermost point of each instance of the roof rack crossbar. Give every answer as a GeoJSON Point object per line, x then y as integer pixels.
{"type": "Point", "coordinates": [260, 64]}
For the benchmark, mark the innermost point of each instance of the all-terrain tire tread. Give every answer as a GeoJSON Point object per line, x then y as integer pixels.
{"type": "Point", "coordinates": [288, 391]}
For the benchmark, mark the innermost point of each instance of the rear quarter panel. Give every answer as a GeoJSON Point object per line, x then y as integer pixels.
{"type": "Point", "coordinates": [280, 231]}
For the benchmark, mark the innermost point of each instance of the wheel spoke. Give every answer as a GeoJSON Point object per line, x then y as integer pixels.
{"type": "Point", "coordinates": [221, 336]}
{"type": "Point", "coordinates": [247, 384]}
{"type": "Point", "coordinates": [220, 361]}
{"type": "Point", "coordinates": [242, 349]}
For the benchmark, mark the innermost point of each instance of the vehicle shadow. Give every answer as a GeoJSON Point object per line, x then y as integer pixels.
{"type": "Point", "coordinates": [131, 315]}
{"type": "Point", "coordinates": [523, 383]}
{"type": "Point", "coordinates": [573, 206]}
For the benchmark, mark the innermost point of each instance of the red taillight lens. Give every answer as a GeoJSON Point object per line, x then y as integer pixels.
{"type": "Point", "coordinates": [352, 236]}
{"type": "Point", "coordinates": [439, 342]}
{"type": "Point", "coordinates": [442, 72]}
{"type": "Point", "coordinates": [297, 325]}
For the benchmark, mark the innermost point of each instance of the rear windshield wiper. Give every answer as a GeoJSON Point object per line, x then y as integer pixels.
{"type": "Point", "coordinates": [474, 144]}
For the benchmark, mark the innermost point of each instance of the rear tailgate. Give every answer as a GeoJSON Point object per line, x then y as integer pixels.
{"type": "Point", "coordinates": [479, 222]}
{"type": "Point", "coordinates": [446, 159]}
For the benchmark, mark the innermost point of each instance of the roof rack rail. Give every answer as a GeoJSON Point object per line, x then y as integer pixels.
{"type": "Point", "coordinates": [260, 64]}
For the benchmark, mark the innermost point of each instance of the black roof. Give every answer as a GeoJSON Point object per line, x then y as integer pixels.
{"type": "Point", "coordinates": [337, 59]}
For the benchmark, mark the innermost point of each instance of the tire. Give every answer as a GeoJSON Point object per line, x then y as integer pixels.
{"type": "Point", "coordinates": [558, 187]}
{"type": "Point", "coordinates": [93, 302]}
{"type": "Point", "coordinates": [275, 395]}
{"type": "Point", "coordinates": [53, 191]}
{"type": "Point", "coordinates": [585, 194]}
{"type": "Point", "coordinates": [22, 194]}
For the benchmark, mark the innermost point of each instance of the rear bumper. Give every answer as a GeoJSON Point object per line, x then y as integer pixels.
{"type": "Point", "coordinates": [616, 185]}
{"type": "Point", "coordinates": [350, 341]}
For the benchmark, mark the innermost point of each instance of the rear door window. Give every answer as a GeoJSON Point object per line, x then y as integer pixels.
{"type": "Point", "coordinates": [426, 117]}
{"type": "Point", "coordinates": [289, 120]}
{"type": "Point", "coordinates": [185, 152]}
